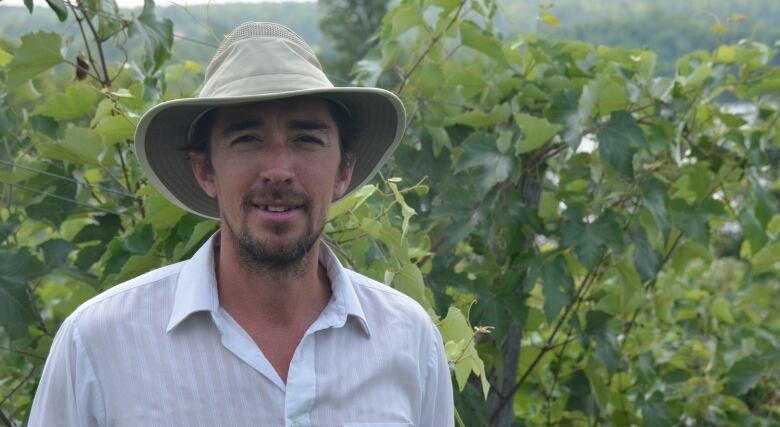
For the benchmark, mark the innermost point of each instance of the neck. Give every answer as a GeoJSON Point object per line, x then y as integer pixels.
{"type": "Point", "coordinates": [284, 297]}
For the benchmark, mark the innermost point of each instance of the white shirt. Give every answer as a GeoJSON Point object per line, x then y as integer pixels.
{"type": "Point", "coordinates": [159, 350]}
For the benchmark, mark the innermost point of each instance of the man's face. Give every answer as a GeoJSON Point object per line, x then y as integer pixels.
{"type": "Point", "coordinates": [274, 171]}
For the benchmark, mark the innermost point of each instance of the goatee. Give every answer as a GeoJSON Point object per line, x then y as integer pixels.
{"type": "Point", "coordinates": [263, 257]}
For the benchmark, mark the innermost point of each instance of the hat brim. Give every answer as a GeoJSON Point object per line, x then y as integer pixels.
{"type": "Point", "coordinates": [162, 133]}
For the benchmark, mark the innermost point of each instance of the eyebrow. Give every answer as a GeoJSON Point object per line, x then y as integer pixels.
{"type": "Point", "coordinates": [305, 124]}
{"type": "Point", "coordinates": [241, 126]}
{"type": "Point", "coordinates": [295, 124]}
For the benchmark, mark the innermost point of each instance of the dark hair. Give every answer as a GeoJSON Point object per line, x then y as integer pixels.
{"type": "Point", "coordinates": [200, 137]}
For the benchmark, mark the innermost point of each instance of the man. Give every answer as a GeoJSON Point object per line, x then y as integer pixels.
{"type": "Point", "coordinates": [262, 326]}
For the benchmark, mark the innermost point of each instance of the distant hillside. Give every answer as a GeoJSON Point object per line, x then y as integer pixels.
{"type": "Point", "coordinates": [198, 28]}
{"type": "Point", "coordinates": [670, 27]}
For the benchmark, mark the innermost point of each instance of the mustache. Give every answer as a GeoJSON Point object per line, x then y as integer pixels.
{"type": "Point", "coordinates": [276, 193]}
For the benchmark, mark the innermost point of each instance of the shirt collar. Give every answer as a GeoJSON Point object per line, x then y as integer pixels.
{"type": "Point", "coordinates": [196, 289]}
{"type": "Point", "coordinates": [344, 301]}
{"type": "Point", "coordinates": [196, 286]}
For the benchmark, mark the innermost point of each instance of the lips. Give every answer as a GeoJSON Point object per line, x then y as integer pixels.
{"type": "Point", "coordinates": [276, 204]}
{"type": "Point", "coordinates": [276, 207]}
{"type": "Point", "coordinates": [270, 208]}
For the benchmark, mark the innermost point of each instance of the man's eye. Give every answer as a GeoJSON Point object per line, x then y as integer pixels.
{"type": "Point", "coordinates": [245, 138]}
{"type": "Point", "coordinates": [309, 139]}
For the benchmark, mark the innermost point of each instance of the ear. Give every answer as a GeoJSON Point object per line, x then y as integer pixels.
{"type": "Point", "coordinates": [344, 176]}
{"type": "Point", "coordinates": [204, 173]}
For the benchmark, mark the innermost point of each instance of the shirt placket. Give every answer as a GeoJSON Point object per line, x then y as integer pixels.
{"type": "Point", "coordinates": [301, 384]}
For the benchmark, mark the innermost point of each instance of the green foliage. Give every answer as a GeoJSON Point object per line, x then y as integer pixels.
{"type": "Point", "coordinates": [38, 52]}
{"type": "Point", "coordinates": [595, 237]}
{"type": "Point", "coordinates": [581, 195]}
{"type": "Point", "coordinates": [348, 26]}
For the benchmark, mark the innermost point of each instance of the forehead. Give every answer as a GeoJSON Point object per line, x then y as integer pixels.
{"type": "Point", "coordinates": [290, 109]}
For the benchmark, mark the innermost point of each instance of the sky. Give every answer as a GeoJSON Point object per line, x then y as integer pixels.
{"type": "Point", "coordinates": [136, 3]}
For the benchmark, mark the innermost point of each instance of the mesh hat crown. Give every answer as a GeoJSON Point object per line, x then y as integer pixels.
{"type": "Point", "coordinates": [260, 61]}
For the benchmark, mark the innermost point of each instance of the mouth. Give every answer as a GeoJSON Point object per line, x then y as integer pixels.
{"type": "Point", "coordinates": [277, 211]}
{"type": "Point", "coordinates": [276, 208]}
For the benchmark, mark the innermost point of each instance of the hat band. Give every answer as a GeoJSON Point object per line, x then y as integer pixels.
{"type": "Point", "coordinates": [265, 84]}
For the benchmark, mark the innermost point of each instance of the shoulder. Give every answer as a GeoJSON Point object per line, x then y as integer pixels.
{"type": "Point", "coordinates": [119, 303]}
{"type": "Point", "coordinates": [384, 305]}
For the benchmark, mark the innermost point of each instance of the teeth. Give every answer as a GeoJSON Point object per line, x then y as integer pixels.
{"type": "Point", "coordinates": [277, 208]}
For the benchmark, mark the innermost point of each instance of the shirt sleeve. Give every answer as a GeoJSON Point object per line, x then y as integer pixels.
{"type": "Point", "coordinates": [69, 393]}
{"type": "Point", "coordinates": [438, 408]}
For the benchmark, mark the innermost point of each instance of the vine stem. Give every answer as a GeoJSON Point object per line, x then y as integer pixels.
{"type": "Point", "coordinates": [127, 182]}
{"type": "Point", "coordinates": [18, 386]}
{"type": "Point", "coordinates": [428, 48]}
{"type": "Point", "coordinates": [335, 246]}
{"type": "Point", "coordinates": [84, 38]}
{"type": "Point", "coordinates": [5, 420]}
{"type": "Point", "coordinates": [649, 285]}
{"type": "Point", "coordinates": [586, 282]}
{"type": "Point", "coordinates": [106, 80]}
{"type": "Point", "coordinates": [23, 353]}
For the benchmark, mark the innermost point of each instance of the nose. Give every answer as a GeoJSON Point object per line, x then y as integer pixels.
{"type": "Point", "coordinates": [277, 165]}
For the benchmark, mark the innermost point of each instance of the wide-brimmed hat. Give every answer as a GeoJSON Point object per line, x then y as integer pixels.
{"type": "Point", "coordinates": [260, 61]}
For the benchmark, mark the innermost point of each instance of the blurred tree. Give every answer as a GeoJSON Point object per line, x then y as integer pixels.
{"type": "Point", "coordinates": [350, 27]}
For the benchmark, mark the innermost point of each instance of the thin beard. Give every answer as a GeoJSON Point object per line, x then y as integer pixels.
{"type": "Point", "coordinates": [281, 269]}
{"type": "Point", "coordinates": [291, 268]}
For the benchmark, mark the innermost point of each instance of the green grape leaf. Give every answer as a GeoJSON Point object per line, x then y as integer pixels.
{"type": "Point", "coordinates": [79, 146]}
{"type": "Point", "coordinates": [605, 94]}
{"type": "Point", "coordinates": [618, 139]}
{"type": "Point", "coordinates": [105, 229]}
{"type": "Point", "coordinates": [646, 259]}
{"type": "Point", "coordinates": [447, 5]}
{"type": "Point", "coordinates": [607, 352]}
{"type": "Point", "coordinates": [597, 323]}
{"type": "Point", "coordinates": [157, 36]}
{"type": "Point", "coordinates": [59, 7]}
{"type": "Point", "coordinates": [409, 280]}
{"type": "Point", "coordinates": [581, 397]}
{"type": "Point", "coordinates": [721, 308]}
{"type": "Point", "coordinates": [744, 375]}
{"type": "Point", "coordinates": [56, 251]}
{"type": "Point", "coordinates": [8, 227]}
{"type": "Point", "coordinates": [77, 101]}
{"type": "Point", "coordinates": [474, 37]}
{"type": "Point", "coordinates": [565, 110]}
{"type": "Point", "coordinates": [135, 266]}
{"type": "Point", "coordinates": [459, 345]}
{"type": "Point", "coordinates": [351, 202]}
{"type": "Point", "coordinates": [5, 58]}
{"type": "Point", "coordinates": [140, 240]}
{"type": "Point", "coordinates": [698, 76]}
{"type": "Point", "coordinates": [550, 19]}
{"type": "Point", "coordinates": [164, 213]}
{"type": "Point", "coordinates": [632, 294]}
{"type": "Point", "coordinates": [557, 287]}
{"type": "Point", "coordinates": [116, 129]}
{"type": "Point", "coordinates": [482, 155]}
{"type": "Point", "coordinates": [401, 19]}
{"type": "Point", "coordinates": [537, 132]}
{"type": "Point", "coordinates": [17, 269]}
{"type": "Point", "coordinates": [655, 412]}
{"type": "Point", "coordinates": [765, 259]}
{"type": "Point", "coordinates": [38, 52]}
{"type": "Point", "coordinates": [480, 119]}
{"type": "Point", "coordinates": [655, 199]}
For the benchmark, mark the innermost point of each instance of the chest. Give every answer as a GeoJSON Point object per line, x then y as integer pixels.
{"type": "Point", "coordinates": [334, 379]}
{"type": "Point", "coordinates": [277, 344]}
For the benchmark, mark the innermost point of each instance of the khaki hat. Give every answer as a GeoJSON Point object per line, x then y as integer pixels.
{"type": "Point", "coordinates": [260, 61]}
